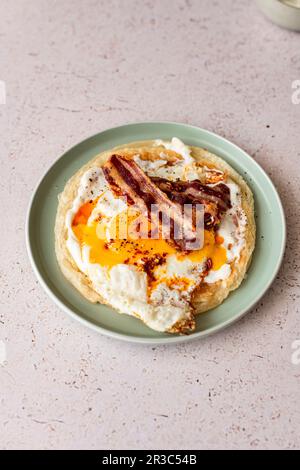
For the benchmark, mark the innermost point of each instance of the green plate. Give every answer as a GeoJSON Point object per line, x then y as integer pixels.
{"type": "Point", "coordinates": [271, 233]}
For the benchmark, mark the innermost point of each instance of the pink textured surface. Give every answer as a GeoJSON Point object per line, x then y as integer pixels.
{"type": "Point", "coordinates": [73, 68]}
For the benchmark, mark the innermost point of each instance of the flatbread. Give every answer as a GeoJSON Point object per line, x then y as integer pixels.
{"type": "Point", "coordinates": [206, 296]}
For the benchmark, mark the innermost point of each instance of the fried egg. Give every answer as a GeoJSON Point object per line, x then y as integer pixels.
{"type": "Point", "coordinates": [150, 279]}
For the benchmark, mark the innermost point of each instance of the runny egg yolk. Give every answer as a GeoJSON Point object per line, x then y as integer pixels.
{"type": "Point", "coordinates": [109, 251]}
{"type": "Point", "coordinates": [84, 212]}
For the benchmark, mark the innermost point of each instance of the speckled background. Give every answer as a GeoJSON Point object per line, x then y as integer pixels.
{"type": "Point", "coordinates": [73, 68]}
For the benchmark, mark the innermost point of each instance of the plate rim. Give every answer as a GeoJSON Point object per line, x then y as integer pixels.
{"type": "Point", "coordinates": [139, 339]}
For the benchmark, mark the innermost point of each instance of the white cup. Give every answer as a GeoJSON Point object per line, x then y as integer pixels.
{"type": "Point", "coordinates": [285, 13]}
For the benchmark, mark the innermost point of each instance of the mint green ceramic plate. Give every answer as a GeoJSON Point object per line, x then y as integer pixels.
{"type": "Point", "coordinates": [266, 260]}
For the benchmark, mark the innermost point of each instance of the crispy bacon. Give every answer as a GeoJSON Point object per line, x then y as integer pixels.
{"type": "Point", "coordinates": [196, 191]}
{"type": "Point", "coordinates": [216, 199]}
{"type": "Point", "coordinates": [126, 178]}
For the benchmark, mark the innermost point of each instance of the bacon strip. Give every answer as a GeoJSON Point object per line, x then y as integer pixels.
{"type": "Point", "coordinates": [215, 199]}
{"type": "Point", "coordinates": [196, 191]}
{"type": "Point", "coordinates": [126, 178]}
